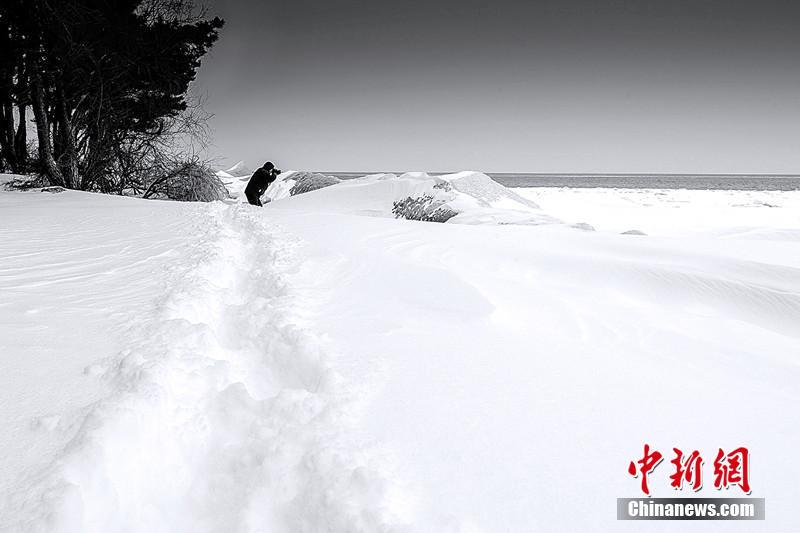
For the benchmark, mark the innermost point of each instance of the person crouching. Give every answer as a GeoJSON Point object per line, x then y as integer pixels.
{"type": "Point", "coordinates": [259, 182]}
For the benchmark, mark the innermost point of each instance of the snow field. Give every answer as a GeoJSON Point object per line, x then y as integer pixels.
{"type": "Point", "coordinates": [317, 365]}
{"type": "Point", "coordinates": [752, 215]}
{"type": "Point", "coordinates": [76, 273]}
{"type": "Point", "coordinates": [224, 416]}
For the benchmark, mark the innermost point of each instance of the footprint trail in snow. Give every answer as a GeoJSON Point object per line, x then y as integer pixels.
{"type": "Point", "coordinates": [225, 416]}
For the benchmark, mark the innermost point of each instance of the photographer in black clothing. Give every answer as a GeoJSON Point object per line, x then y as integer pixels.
{"type": "Point", "coordinates": [259, 182]}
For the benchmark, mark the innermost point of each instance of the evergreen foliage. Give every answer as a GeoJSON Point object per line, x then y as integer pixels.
{"type": "Point", "coordinates": [104, 82]}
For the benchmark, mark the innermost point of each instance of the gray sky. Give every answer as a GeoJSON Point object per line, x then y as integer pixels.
{"type": "Point", "coordinates": [507, 86]}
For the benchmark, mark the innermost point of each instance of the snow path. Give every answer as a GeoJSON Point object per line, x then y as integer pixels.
{"type": "Point", "coordinates": [225, 416]}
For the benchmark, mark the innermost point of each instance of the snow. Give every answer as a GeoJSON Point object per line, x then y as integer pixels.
{"type": "Point", "coordinates": [239, 170]}
{"type": "Point", "coordinates": [317, 365]}
{"type": "Point", "coordinates": [218, 412]}
{"type": "Point", "coordinates": [476, 197]}
{"type": "Point", "coordinates": [75, 267]}
{"type": "Point", "coordinates": [677, 212]}
{"type": "Point", "coordinates": [235, 179]}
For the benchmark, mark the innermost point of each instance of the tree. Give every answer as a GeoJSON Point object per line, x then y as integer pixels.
{"type": "Point", "coordinates": [103, 79]}
{"type": "Point", "coordinates": [14, 98]}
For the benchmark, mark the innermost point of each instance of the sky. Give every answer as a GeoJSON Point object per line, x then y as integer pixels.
{"type": "Point", "coordinates": [685, 86]}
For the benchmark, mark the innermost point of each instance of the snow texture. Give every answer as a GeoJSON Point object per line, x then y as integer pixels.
{"type": "Point", "coordinates": [223, 413]}
{"type": "Point", "coordinates": [318, 365]}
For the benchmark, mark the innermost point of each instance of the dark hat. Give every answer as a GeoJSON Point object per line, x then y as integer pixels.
{"type": "Point", "coordinates": [268, 165]}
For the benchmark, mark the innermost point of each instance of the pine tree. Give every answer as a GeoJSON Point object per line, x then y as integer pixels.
{"type": "Point", "coordinates": [98, 74]}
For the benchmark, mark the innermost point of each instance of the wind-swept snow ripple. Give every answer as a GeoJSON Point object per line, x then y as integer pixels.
{"type": "Point", "coordinates": [226, 415]}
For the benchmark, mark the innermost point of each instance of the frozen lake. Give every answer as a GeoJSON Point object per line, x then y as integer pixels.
{"type": "Point", "coordinates": [730, 182]}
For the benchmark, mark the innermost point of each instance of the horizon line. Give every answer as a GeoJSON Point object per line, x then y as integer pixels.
{"type": "Point", "coordinates": [581, 174]}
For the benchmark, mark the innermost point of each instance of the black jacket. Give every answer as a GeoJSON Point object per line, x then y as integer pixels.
{"type": "Point", "coordinates": [258, 185]}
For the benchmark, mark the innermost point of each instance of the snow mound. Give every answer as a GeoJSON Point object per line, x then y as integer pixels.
{"type": "Point", "coordinates": [474, 198]}
{"type": "Point", "coordinates": [239, 170]}
{"type": "Point", "coordinates": [483, 187]}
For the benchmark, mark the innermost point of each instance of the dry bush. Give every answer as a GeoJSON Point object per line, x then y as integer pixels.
{"type": "Point", "coordinates": [190, 181]}
{"type": "Point", "coordinates": [311, 181]}
{"type": "Point", "coordinates": [423, 208]}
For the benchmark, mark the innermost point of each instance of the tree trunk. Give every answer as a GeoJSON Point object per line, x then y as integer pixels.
{"type": "Point", "coordinates": [21, 138]}
{"type": "Point", "coordinates": [43, 129]}
{"type": "Point", "coordinates": [68, 158]}
{"type": "Point", "coordinates": [7, 131]}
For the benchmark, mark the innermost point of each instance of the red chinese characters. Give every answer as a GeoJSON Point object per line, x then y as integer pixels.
{"type": "Point", "coordinates": [688, 470]}
{"type": "Point", "coordinates": [732, 469]}
{"type": "Point", "coordinates": [647, 464]}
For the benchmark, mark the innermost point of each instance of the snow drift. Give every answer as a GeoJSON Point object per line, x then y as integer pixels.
{"type": "Point", "coordinates": [239, 170]}
{"type": "Point", "coordinates": [474, 197]}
